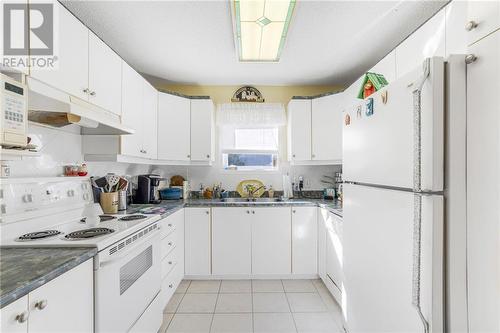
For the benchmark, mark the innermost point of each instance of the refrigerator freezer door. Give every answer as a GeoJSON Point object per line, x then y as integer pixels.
{"type": "Point", "coordinates": [378, 234]}
{"type": "Point", "coordinates": [379, 148]}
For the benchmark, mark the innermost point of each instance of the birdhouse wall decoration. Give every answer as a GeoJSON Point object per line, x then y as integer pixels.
{"type": "Point", "coordinates": [372, 82]}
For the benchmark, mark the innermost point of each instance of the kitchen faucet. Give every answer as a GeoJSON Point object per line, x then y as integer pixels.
{"type": "Point", "coordinates": [251, 192]}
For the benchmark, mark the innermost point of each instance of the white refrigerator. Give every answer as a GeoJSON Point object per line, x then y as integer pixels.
{"type": "Point", "coordinates": [396, 154]}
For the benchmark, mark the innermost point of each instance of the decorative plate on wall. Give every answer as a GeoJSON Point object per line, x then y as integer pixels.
{"type": "Point", "coordinates": [247, 94]}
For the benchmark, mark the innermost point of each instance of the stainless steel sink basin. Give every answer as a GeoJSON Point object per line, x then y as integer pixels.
{"type": "Point", "coordinates": [251, 200]}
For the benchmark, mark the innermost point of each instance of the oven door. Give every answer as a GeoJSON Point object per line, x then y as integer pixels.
{"type": "Point", "coordinates": [126, 280]}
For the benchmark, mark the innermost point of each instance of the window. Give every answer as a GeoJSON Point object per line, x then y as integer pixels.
{"type": "Point", "coordinates": [247, 149]}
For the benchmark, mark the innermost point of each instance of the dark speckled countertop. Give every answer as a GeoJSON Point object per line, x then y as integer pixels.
{"type": "Point", "coordinates": [24, 269]}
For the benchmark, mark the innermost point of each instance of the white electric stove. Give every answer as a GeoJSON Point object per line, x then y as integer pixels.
{"type": "Point", "coordinates": [48, 212]}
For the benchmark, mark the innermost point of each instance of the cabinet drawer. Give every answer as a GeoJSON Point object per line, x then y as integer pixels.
{"type": "Point", "coordinates": [168, 226]}
{"type": "Point", "coordinates": [170, 284]}
{"type": "Point", "coordinates": [169, 262]}
{"type": "Point", "coordinates": [168, 244]}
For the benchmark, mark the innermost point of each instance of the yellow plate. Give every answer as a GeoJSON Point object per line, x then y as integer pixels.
{"type": "Point", "coordinates": [243, 186]}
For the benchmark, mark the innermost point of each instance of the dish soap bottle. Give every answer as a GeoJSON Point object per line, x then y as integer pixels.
{"type": "Point", "coordinates": [271, 191]}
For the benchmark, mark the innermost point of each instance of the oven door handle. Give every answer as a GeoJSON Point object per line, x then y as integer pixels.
{"type": "Point", "coordinates": [127, 250]}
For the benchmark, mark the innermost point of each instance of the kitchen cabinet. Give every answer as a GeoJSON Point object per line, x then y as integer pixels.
{"type": "Point", "coordinates": [427, 41]}
{"type": "Point", "coordinates": [71, 75]}
{"type": "Point", "coordinates": [299, 130]}
{"type": "Point", "coordinates": [105, 75]}
{"type": "Point", "coordinates": [202, 135]}
{"type": "Point", "coordinates": [304, 240]}
{"type": "Point", "coordinates": [197, 240]}
{"type": "Point", "coordinates": [150, 120]}
{"type": "Point", "coordinates": [456, 34]}
{"type": "Point", "coordinates": [46, 309]}
{"type": "Point", "coordinates": [14, 317]}
{"type": "Point", "coordinates": [174, 122]}
{"type": "Point", "coordinates": [231, 241]}
{"type": "Point", "coordinates": [322, 220]}
{"type": "Point", "coordinates": [483, 145]}
{"type": "Point", "coordinates": [132, 95]}
{"type": "Point", "coordinates": [327, 128]}
{"type": "Point", "coordinates": [334, 255]}
{"type": "Point", "coordinates": [483, 17]}
{"type": "Point", "coordinates": [271, 240]}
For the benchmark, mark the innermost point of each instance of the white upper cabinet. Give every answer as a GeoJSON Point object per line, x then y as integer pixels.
{"type": "Point", "coordinates": [427, 41]}
{"type": "Point", "coordinates": [456, 34]}
{"type": "Point", "coordinates": [202, 117]}
{"type": "Point", "coordinates": [231, 241]}
{"type": "Point", "coordinates": [72, 73]}
{"type": "Point", "coordinates": [174, 118]}
{"type": "Point", "coordinates": [299, 129]}
{"type": "Point", "coordinates": [304, 240]}
{"type": "Point", "coordinates": [132, 92]}
{"type": "Point", "coordinates": [105, 72]}
{"type": "Point", "coordinates": [327, 128]}
{"type": "Point", "coordinates": [149, 120]}
{"type": "Point", "coordinates": [483, 17]}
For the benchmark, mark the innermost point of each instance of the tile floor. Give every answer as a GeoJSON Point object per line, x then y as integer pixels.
{"type": "Point", "coordinates": [260, 306]}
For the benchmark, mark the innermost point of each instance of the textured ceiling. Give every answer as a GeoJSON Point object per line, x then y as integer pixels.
{"type": "Point", "coordinates": [191, 42]}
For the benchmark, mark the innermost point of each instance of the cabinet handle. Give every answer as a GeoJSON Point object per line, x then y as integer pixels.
{"type": "Point", "coordinates": [22, 317]}
{"type": "Point", "coordinates": [170, 262]}
{"type": "Point", "coordinates": [189, 156]}
{"type": "Point", "coordinates": [169, 243]}
{"type": "Point", "coordinates": [40, 305]}
{"type": "Point", "coordinates": [93, 93]}
{"type": "Point", "coordinates": [248, 212]}
{"type": "Point", "coordinates": [313, 155]}
{"type": "Point", "coordinates": [293, 211]}
{"type": "Point", "coordinates": [253, 211]}
{"type": "Point", "coordinates": [170, 225]}
{"type": "Point", "coordinates": [170, 285]}
{"type": "Point", "coordinates": [86, 90]}
{"type": "Point", "coordinates": [293, 155]}
{"type": "Point", "coordinates": [470, 58]}
{"type": "Point", "coordinates": [208, 156]}
{"type": "Point", "coordinates": [471, 25]}
{"type": "Point", "coordinates": [207, 212]}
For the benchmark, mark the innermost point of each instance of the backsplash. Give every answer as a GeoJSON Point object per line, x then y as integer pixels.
{"type": "Point", "coordinates": [62, 146]}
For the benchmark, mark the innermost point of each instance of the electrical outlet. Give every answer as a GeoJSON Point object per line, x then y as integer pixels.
{"type": "Point", "coordinates": [4, 170]}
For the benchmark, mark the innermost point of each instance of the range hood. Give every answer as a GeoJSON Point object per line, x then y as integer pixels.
{"type": "Point", "coordinates": [53, 107]}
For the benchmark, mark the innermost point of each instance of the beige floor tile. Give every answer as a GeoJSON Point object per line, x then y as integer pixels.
{"type": "Point", "coordinates": [236, 286]}
{"type": "Point", "coordinates": [270, 302]}
{"type": "Point", "coordinates": [234, 303]}
{"type": "Point", "coordinates": [204, 286]}
{"type": "Point", "coordinates": [190, 323]}
{"type": "Point", "coordinates": [306, 302]}
{"type": "Point", "coordinates": [273, 323]}
{"type": "Point", "coordinates": [267, 286]}
{"type": "Point", "coordinates": [183, 286]}
{"type": "Point", "coordinates": [173, 303]}
{"type": "Point", "coordinates": [167, 318]}
{"type": "Point", "coordinates": [197, 303]}
{"type": "Point", "coordinates": [299, 286]}
{"type": "Point", "coordinates": [232, 323]}
{"type": "Point", "coordinates": [315, 322]}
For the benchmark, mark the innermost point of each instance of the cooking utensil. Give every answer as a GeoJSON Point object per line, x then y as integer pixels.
{"type": "Point", "coordinates": [112, 180]}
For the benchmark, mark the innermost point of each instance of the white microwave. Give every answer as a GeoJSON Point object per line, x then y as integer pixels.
{"type": "Point", "coordinates": [13, 115]}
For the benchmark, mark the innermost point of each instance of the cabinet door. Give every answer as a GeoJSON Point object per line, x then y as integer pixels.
{"type": "Point", "coordinates": [150, 120]}
{"type": "Point", "coordinates": [322, 218]}
{"type": "Point", "coordinates": [271, 240]}
{"type": "Point", "coordinates": [197, 241]}
{"type": "Point", "coordinates": [174, 128]}
{"type": "Point", "coordinates": [132, 86]}
{"type": "Point", "coordinates": [105, 75]}
{"type": "Point", "coordinates": [231, 241]}
{"type": "Point", "coordinates": [483, 185]}
{"type": "Point", "coordinates": [201, 129]}
{"type": "Point", "coordinates": [299, 130]}
{"type": "Point", "coordinates": [72, 73]}
{"type": "Point", "coordinates": [427, 41]}
{"type": "Point", "coordinates": [14, 317]}
{"type": "Point", "coordinates": [304, 240]}
{"type": "Point", "coordinates": [486, 14]}
{"type": "Point", "coordinates": [65, 303]}
{"type": "Point", "coordinates": [334, 250]}
{"type": "Point", "coordinates": [327, 128]}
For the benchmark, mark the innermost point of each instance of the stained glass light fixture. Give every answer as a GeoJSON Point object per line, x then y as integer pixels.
{"type": "Point", "coordinates": [261, 28]}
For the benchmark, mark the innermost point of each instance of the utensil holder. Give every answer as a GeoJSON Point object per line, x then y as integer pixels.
{"type": "Point", "coordinates": [109, 202]}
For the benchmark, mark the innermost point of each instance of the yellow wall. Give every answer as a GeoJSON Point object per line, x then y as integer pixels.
{"type": "Point", "coordinates": [271, 94]}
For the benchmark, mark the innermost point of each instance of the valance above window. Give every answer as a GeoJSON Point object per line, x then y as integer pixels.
{"type": "Point", "coordinates": [250, 115]}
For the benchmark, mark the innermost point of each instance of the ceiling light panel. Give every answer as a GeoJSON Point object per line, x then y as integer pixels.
{"type": "Point", "coordinates": [261, 28]}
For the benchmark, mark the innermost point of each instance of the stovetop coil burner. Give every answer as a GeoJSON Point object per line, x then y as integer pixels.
{"type": "Point", "coordinates": [39, 235]}
{"type": "Point", "coordinates": [133, 217]}
{"type": "Point", "coordinates": [88, 233]}
{"type": "Point", "coordinates": [103, 218]}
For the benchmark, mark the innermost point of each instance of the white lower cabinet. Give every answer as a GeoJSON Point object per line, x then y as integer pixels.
{"type": "Point", "coordinates": [334, 253]}
{"type": "Point", "coordinates": [271, 240]}
{"type": "Point", "coordinates": [57, 306]}
{"type": "Point", "coordinates": [231, 241]}
{"type": "Point", "coordinates": [322, 219]}
{"type": "Point", "coordinates": [304, 240]}
{"type": "Point", "coordinates": [197, 241]}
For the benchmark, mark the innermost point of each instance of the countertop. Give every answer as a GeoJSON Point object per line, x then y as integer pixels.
{"type": "Point", "coordinates": [171, 206]}
{"type": "Point", "coordinates": [22, 270]}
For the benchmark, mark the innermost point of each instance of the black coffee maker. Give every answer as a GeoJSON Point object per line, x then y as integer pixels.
{"type": "Point", "coordinates": [147, 189]}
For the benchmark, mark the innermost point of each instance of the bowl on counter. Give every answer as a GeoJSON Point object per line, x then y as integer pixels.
{"type": "Point", "coordinates": [170, 193]}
